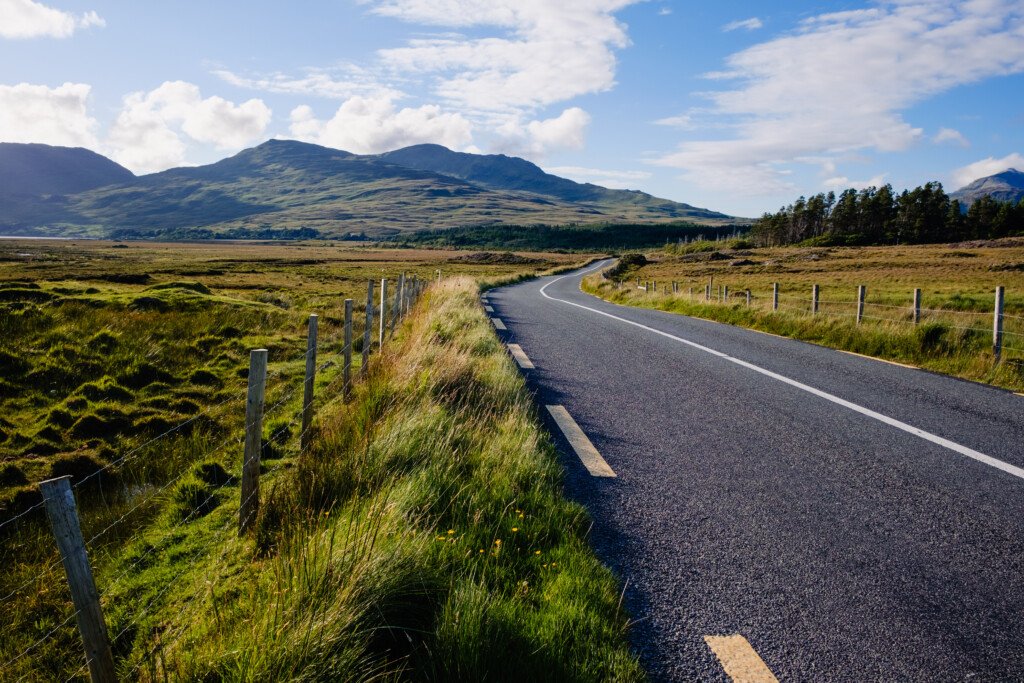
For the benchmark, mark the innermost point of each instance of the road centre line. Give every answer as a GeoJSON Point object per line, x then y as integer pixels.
{"type": "Point", "coordinates": [520, 356]}
{"type": "Point", "coordinates": [498, 325]}
{"type": "Point", "coordinates": [585, 451]}
{"type": "Point", "coordinates": [740, 661]}
{"type": "Point", "coordinates": [885, 419]}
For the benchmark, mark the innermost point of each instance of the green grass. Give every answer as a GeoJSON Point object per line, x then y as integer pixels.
{"type": "Point", "coordinates": [351, 572]}
{"type": "Point", "coordinates": [942, 343]}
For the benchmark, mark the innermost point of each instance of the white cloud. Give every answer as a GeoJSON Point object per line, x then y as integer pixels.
{"type": "Point", "coordinates": [145, 137]}
{"type": "Point", "coordinates": [682, 121]}
{"type": "Point", "coordinates": [986, 167]}
{"type": "Point", "coordinates": [540, 137]}
{"type": "Point", "coordinates": [844, 183]}
{"type": "Point", "coordinates": [369, 125]}
{"type": "Point", "coordinates": [952, 136]}
{"type": "Point", "coordinates": [751, 24]}
{"type": "Point", "coordinates": [664, 11]}
{"type": "Point", "coordinates": [353, 81]}
{"type": "Point", "coordinates": [29, 19]}
{"type": "Point", "coordinates": [614, 179]}
{"type": "Point", "coordinates": [839, 83]}
{"type": "Point", "coordinates": [542, 52]}
{"type": "Point", "coordinates": [54, 116]}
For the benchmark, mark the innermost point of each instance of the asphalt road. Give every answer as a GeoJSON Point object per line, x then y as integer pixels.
{"type": "Point", "coordinates": [777, 490]}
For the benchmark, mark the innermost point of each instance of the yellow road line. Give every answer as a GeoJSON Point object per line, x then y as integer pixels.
{"type": "Point", "coordinates": [521, 358]}
{"type": "Point", "coordinates": [740, 661]}
{"type": "Point", "coordinates": [880, 360]}
{"type": "Point", "coordinates": [585, 450]}
{"type": "Point", "coordinates": [498, 325]}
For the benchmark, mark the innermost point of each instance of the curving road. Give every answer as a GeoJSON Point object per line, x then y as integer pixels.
{"type": "Point", "coordinates": [844, 518]}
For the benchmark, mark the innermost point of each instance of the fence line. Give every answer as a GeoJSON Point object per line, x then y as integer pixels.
{"type": "Point", "coordinates": [406, 294]}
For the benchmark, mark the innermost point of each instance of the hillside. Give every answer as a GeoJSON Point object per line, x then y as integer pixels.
{"type": "Point", "coordinates": [32, 169]}
{"type": "Point", "coordinates": [1007, 186]}
{"type": "Point", "coordinates": [293, 186]}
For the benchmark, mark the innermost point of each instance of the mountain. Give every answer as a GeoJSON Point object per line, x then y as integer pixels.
{"type": "Point", "coordinates": [33, 169]}
{"type": "Point", "coordinates": [285, 185]}
{"type": "Point", "coordinates": [1007, 186]}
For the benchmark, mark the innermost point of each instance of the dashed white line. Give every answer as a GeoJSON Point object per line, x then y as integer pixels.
{"type": "Point", "coordinates": [520, 356]}
{"type": "Point", "coordinates": [498, 325]}
{"type": "Point", "coordinates": [892, 422]}
{"type": "Point", "coordinates": [488, 309]}
{"type": "Point", "coordinates": [585, 450]}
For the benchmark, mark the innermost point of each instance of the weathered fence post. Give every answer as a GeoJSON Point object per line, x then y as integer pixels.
{"type": "Point", "coordinates": [367, 329]}
{"type": "Point", "coordinates": [397, 309]}
{"type": "Point", "coordinates": [997, 326]}
{"type": "Point", "coordinates": [725, 294]}
{"type": "Point", "coordinates": [383, 311]}
{"type": "Point", "coordinates": [775, 296]}
{"type": "Point", "coordinates": [63, 516]}
{"type": "Point", "coordinates": [347, 366]}
{"type": "Point", "coordinates": [707, 292]}
{"type": "Point", "coordinates": [689, 293]}
{"type": "Point", "coordinates": [814, 299]}
{"type": "Point", "coordinates": [861, 295]}
{"type": "Point", "coordinates": [439, 276]}
{"type": "Point", "coordinates": [307, 388]}
{"type": "Point", "coordinates": [250, 504]}
{"type": "Point", "coordinates": [748, 298]}
{"type": "Point", "coordinates": [917, 306]}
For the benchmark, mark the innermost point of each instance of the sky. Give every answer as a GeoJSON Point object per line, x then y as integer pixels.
{"type": "Point", "coordinates": [737, 106]}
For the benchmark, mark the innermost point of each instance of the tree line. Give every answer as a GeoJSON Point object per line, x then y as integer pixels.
{"type": "Point", "coordinates": [877, 215]}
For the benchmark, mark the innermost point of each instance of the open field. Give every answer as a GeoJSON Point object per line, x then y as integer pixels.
{"type": "Point", "coordinates": [957, 298]}
{"type": "Point", "coordinates": [109, 346]}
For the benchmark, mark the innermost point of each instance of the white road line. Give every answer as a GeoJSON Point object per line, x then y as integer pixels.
{"type": "Point", "coordinates": [892, 422]}
{"type": "Point", "coordinates": [498, 325]}
{"type": "Point", "coordinates": [585, 450]}
{"type": "Point", "coordinates": [517, 352]}
{"type": "Point", "coordinates": [488, 309]}
{"type": "Point", "coordinates": [740, 661]}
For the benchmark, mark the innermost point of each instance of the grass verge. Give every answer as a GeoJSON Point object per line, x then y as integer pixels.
{"type": "Point", "coordinates": [936, 346]}
{"type": "Point", "coordinates": [424, 536]}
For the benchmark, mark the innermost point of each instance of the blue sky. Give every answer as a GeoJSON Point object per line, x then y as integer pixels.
{"type": "Point", "coordinates": [735, 106]}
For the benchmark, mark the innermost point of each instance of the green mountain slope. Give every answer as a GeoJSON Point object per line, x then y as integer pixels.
{"type": "Point", "coordinates": [287, 185]}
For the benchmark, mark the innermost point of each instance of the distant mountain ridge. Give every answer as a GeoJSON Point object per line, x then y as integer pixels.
{"type": "Point", "coordinates": [34, 169]}
{"type": "Point", "coordinates": [1007, 186]}
{"type": "Point", "coordinates": [289, 185]}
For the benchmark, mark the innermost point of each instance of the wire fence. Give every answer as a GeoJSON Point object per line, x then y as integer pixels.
{"type": "Point", "coordinates": [291, 409]}
{"type": "Point", "coordinates": [1004, 331]}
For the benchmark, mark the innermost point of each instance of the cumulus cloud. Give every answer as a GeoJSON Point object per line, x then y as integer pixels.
{"type": "Point", "coordinates": [540, 53]}
{"type": "Point", "coordinates": [29, 19]}
{"type": "Point", "coordinates": [539, 137]}
{"type": "Point", "coordinates": [751, 24]}
{"type": "Point", "coordinates": [369, 125]}
{"type": "Point", "coordinates": [986, 167]}
{"type": "Point", "coordinates": [839, 83]}
{"type": "Point", "coordinates": [148, 133]}
{"type": "Point", "coordinates": [54, 116]}
{"type": "Point", "coordinates": [949, 135]}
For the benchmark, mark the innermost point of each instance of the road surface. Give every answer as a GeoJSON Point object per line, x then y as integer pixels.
{"type": "Point", "coordinates": [838, 518]}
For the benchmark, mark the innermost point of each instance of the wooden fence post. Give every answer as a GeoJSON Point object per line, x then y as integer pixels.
{"type": "Point", "coordinates": [861, 295]}
{"type": "Point", "coordinates": [439, 276]}
{"type": "Point", "coordinates": [383, 312]}
{"type": "Point", "coordinates": [814, 299]}
{"type": "Point", "coordinates": [347, 367]}
{"type": "Point", "coordinates": [307, 388]}
{"type": "Point", "coordinates": [748, 298]}
{"type": "Point", "coordinates": [250, 504]}
{"type": "Point", "coordinates": [397, 308]}
{"type": "Point", "coordinates": [63, 516]}
{"type": "Point", "coordinates": [917, 306]}
{"type": "Point", "coordinates": [707, 292]}
{"type": "Point", "coordinates": [997, 326]}
{"type": "Point", "coordinates": [725, 294]}
{"type": "Point", "coordinates": [775, 296]}
{"type": "Point", "coordinates": [689, 293]}
{"type": "Point", "coordinates": [367, 329]}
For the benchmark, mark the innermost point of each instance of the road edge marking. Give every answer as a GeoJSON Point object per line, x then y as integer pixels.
{"type": "Point", "coordinates": [488, 309]}
{"type": "Point", "coordinates": [584, 448]}
{"type": "Point", "coordinates": [498, 325]}
{"type": "Point", "coordinates": [885, 419]}
{"type": "Point", "coordinates": [520, 356]}
{"type": "Point", "coordinates": [740, 660]}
